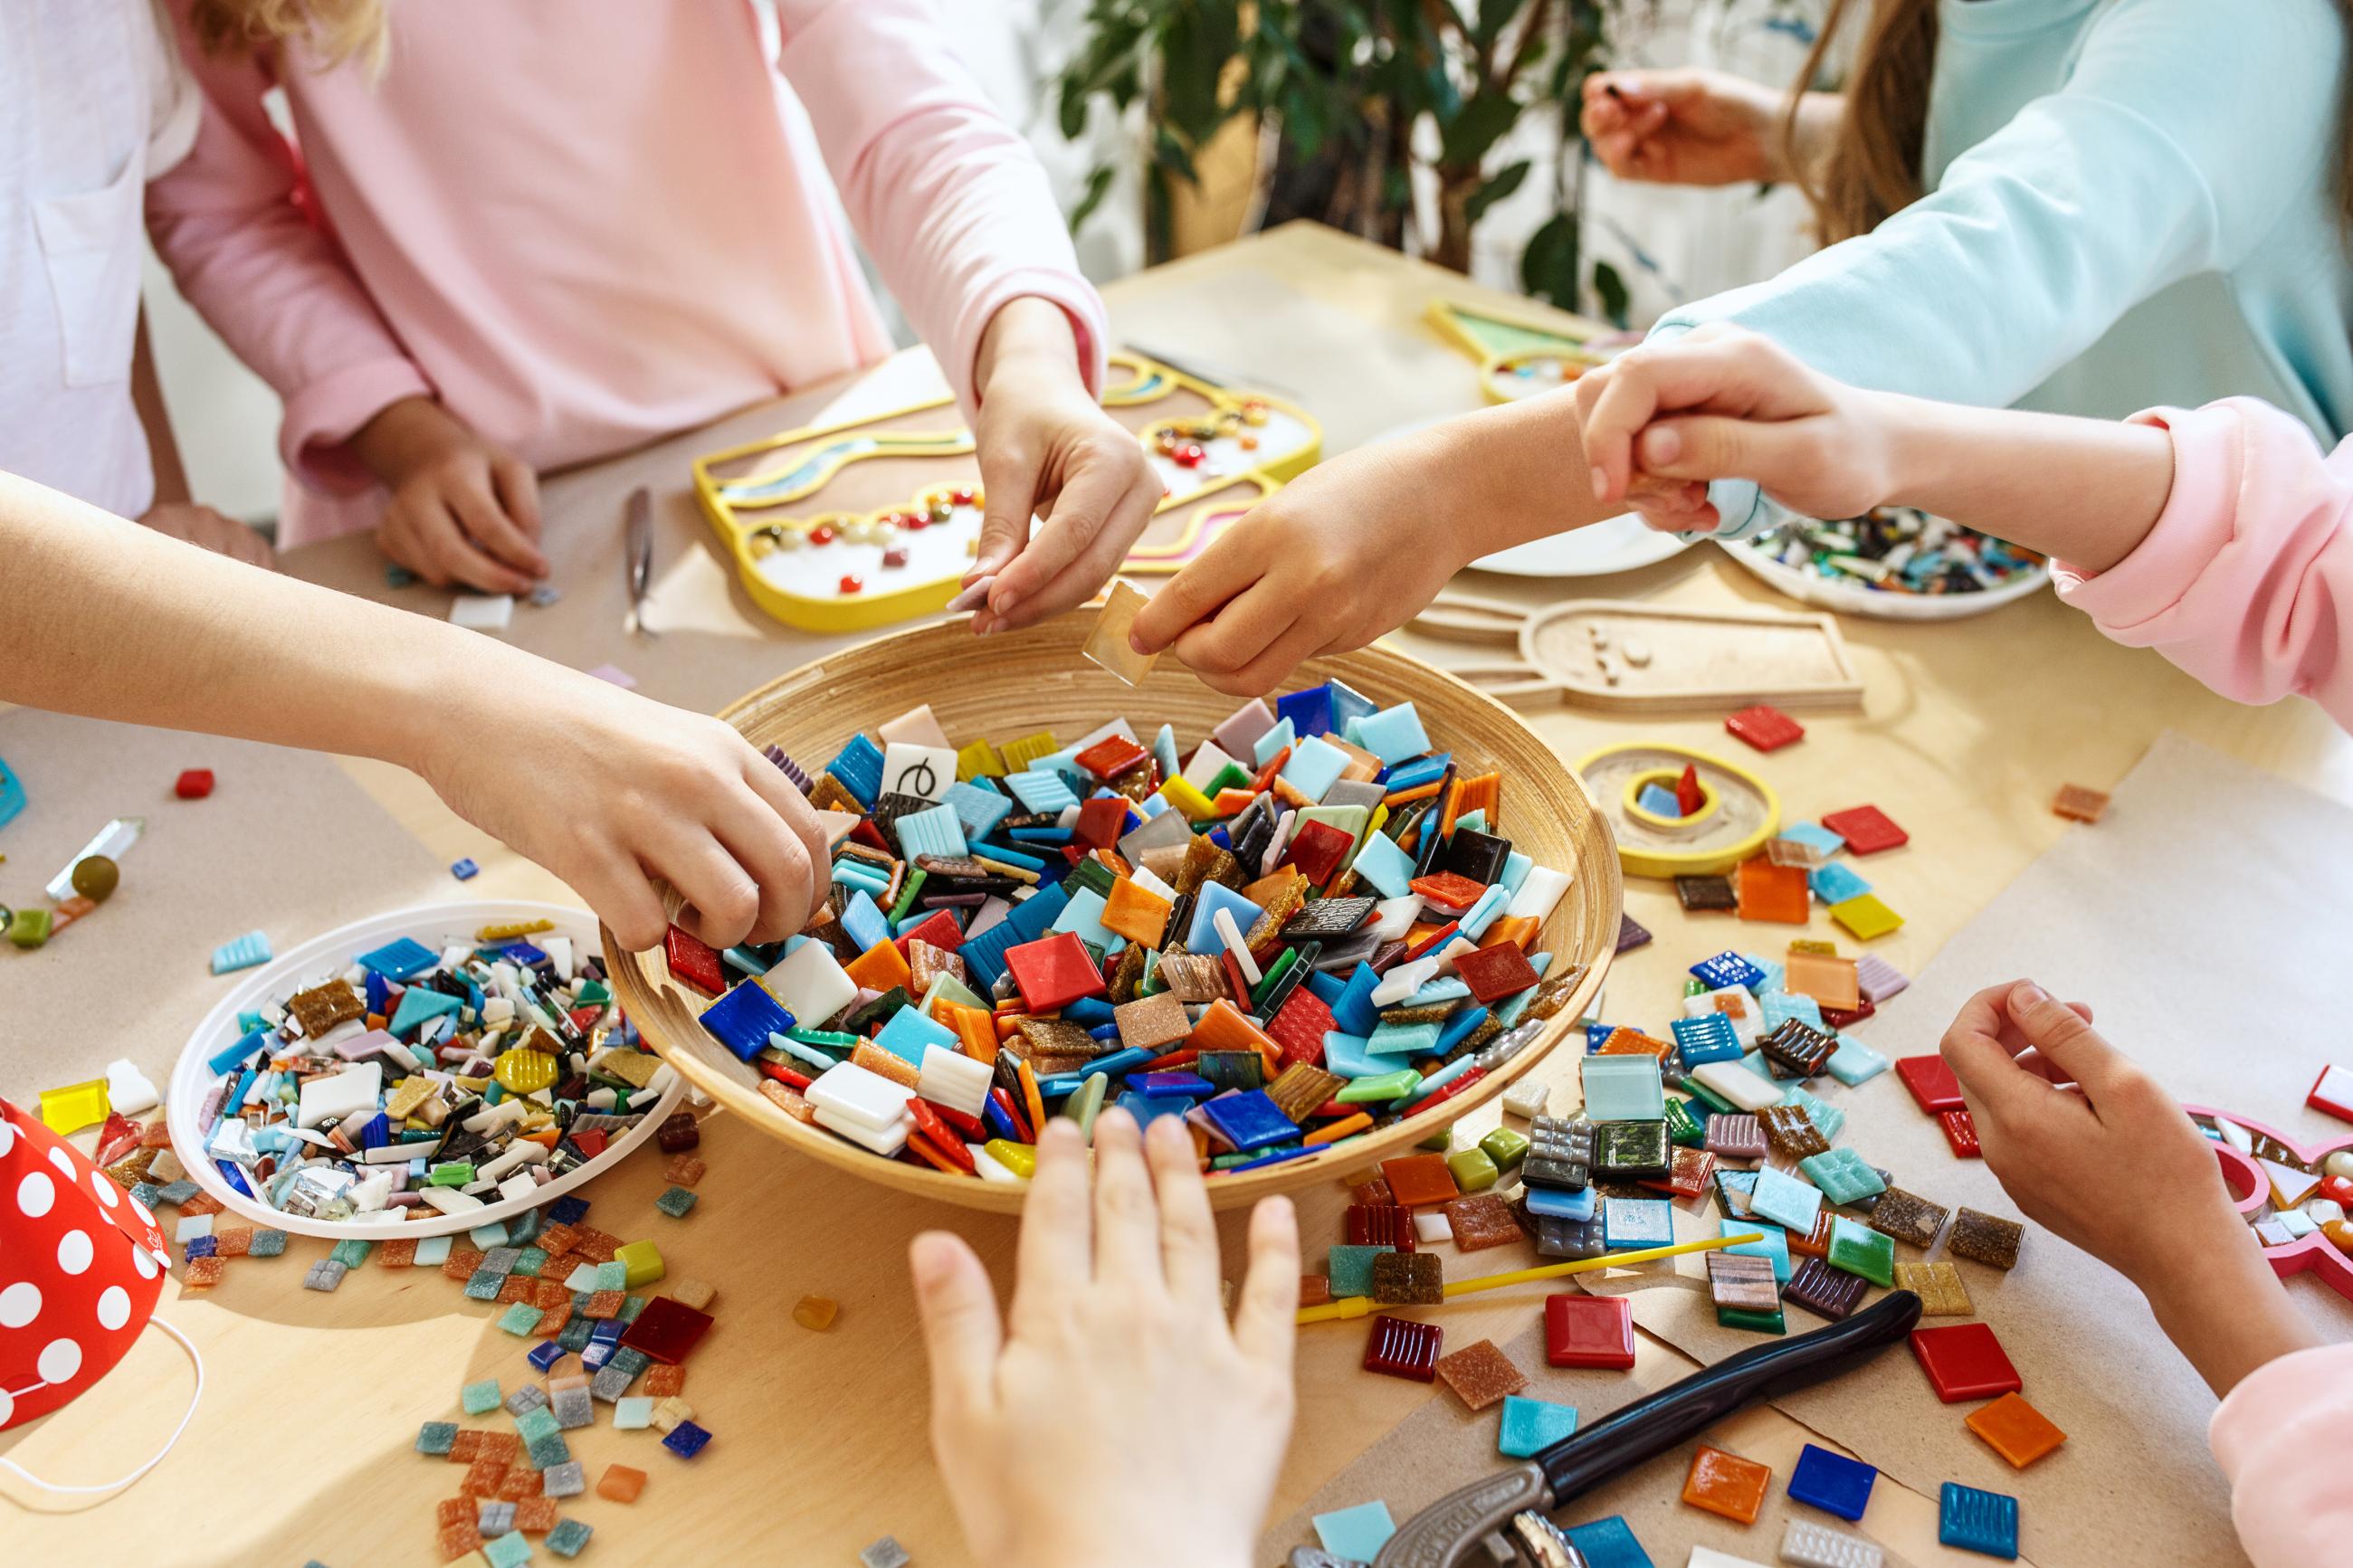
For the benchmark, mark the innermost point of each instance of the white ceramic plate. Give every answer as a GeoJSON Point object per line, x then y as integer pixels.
{"type": "Point", "coordinates": [434, 925]}
{"type": "Point", "coordinates": [1615, 544]}
{"type": "Point", "coordinates": [1618, 544]}
{"type": "Point", "coordinates": [1847, 599]}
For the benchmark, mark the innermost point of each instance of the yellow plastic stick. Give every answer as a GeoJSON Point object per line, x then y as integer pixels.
{"type": "Point", "coordinates": [1349, 1307]}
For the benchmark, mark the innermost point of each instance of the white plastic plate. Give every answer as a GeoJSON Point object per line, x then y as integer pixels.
{"type": "Point", "coordinates": [1829, 595]}
{"type": "Point", "coordinates": [437, 926]}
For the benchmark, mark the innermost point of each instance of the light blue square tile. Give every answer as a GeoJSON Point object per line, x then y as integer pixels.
{"type": "Point", "coordinates": [1853, 1061]}
{"type": "Point", "coordinates": [1776, 1245]}
{"type": "Point", "coordinates": [1394, 734]}
{"type": "Point", "coordinates": [1358, 1533]}
{"type": "Point", "coordinates": [1530, 1425]}
{"type": "Point", "coordinates": [1315, 765]}
{"type": "Point", "coordinates": [1837, 882]}
{"type": "Point", "coordinates": [1384, 867]}
{"type": "Point", "coordinates": [1623, 1089]}
{"type": "Point", "coordinates": [1785, 1201]}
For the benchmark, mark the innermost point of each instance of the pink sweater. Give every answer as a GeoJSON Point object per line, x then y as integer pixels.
{"type": "Point", "coordinates": [588, 224]}
{"type": "Point", "coordinates": [2246, 580]}
{"type": "Point", "coordinates": [2280, 1439]}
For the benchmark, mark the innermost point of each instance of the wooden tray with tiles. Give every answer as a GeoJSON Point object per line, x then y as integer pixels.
{"type": "Point", "coordinates": [1691, 660]}
{"type": "Point", "coordinates": [1018, 682]}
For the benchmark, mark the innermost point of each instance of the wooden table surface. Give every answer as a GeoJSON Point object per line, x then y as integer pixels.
{"type": "Point", "coordinates": [301, 1448]}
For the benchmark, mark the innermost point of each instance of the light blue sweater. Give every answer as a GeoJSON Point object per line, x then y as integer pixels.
{"type": "Point", "coordinates": [2131, 203]}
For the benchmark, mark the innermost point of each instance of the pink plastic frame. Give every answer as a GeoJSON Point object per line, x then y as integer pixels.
{"type": "Point", "coordinates": [2252, 1191]}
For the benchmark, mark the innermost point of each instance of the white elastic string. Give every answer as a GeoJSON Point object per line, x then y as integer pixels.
{"type": "Point", "coordinates": [15, 1469]}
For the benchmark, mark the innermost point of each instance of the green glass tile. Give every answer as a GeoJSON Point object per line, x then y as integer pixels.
{"type": "Point", "coordinates": [1770, 1323]}
{"type": "Point", "coordinates": [1861, 1251]}
{"type": "Point", "coordinates": [1474, 1172]}
{"type": "Point", "coordinates": [1682, 1127]}
{"type": "Point", "coordinates": [1505, 1147]}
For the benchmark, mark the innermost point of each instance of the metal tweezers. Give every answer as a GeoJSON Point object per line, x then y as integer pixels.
{"type": "Point", "coordinates": [638, 557]}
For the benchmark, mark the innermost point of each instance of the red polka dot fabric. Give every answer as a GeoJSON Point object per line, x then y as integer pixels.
{"type": "Point", "coordinates": [80, 1266]}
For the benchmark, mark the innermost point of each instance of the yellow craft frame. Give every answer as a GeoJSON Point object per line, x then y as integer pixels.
{"type": "Point", "coordinates": [1134, 380]}
{"type": "Point", "coordinates": [1446, 316]}
{"type": "Point", "coordinates": [1667, 863]}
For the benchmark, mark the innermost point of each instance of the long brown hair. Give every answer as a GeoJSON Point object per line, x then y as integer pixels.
{"type": "Point", "coordinates": [1873, 166]}
{"type": "Point", "coordinates": [333, 31]}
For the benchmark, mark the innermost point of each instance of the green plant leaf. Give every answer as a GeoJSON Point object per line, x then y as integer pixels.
{"type": "Point", "coordinates": [1502, 184]}
{"type": "Point", "coordinates": [1099, 180]}
{"type": "Point", "coordinates": [1200, 38]}
{"type": "Point", "coordinates": [1610, 291]}
{"type": "Point", "coordinates": [1548, 265]}
{"type": "Point", "coordinates": [1477, 127]}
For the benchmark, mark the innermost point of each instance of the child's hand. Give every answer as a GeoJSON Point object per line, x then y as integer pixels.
{"type": "Point", "coordinates": [208, 530]}
{"type": "Point", "coordinates": [1084, 1436]}
{"type": "Point", "coordinates": [2085, 1142]}
{"type": "Point", "coordinates": [1352, 548]}
{"type": "Point", "coordinates": [616, 790]}
{"type": "Point", "coordinates": [1724, 403]}
{"type": "Point", "coordinates": [462, 511]}
{"type": "Point", "coordinates": [1047, 447]}
{"type": "Point", "coordinates": [2094, 1148]}
{"type": "Point", "coordinates": [1682, 127]}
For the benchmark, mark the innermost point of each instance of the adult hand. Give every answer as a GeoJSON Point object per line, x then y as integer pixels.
{"type": "Point", "coordinates": [462, 511]}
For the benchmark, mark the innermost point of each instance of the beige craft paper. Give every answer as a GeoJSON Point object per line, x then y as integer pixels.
{"type": "Point", "coordinates": [2202, 918]}
{"type": "Point", "coordinates": [2205, 920]}
{"type": "Point", "coordinates": [287, 843]}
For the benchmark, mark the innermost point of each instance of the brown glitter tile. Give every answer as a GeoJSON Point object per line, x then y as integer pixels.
{"type": "Point", "coordinates": [1743, 1282]}
{"type": "Point", "coordinates": [1409, 1279]}
{"type": "Point", "coordinates": [397, 1255]}
{"type": "Point", "coordinates": [684, 1170]}
{"type": "Point", "coordinates": [1315, 1289]}
{"type": "Point", "coordinates": [1939, 1287]}
{"type": "Point", "coordinates": [596, 1246]}
{"type": "Point", "coordinates": [460, 1264]}
{"type": "Point", "coordinates": [1153, 1023]}
{"type": "Point", "coordinates": [452, 1511]}
{"type": "Point", "coordinates": [1480, 1374]}
{"type": "Point", "coordinates": [322, 1007]}
{"type": "Point", "coordinates": [501, 1446]}
{"type": "Point", "coordinates": [2079, 804]}
{"type": "Point", "coordinates": [1908, 1218]}
{"type": "Point", "coordinates": [601, 1305]}
{"type": "Point", "coordinates": [458, 1540]}
{"type": "Point", "coordinates": [1703, 893]}
{"type": "Point", "coordinates": [201, 1273]}
{"type": "Point", "coordinates": [203, 1203]}
{"type": "Point", "coordinates": [1371, 1189]}
{"type": "Point", "coordinates": [1791, 1131]}
{"type": "Point", "coordinates": [1985, 1239]}
{"type": "Point", "coordinates": [535, 1515]}
{"type": "Point", "coordinates": [663, 1381]}
{"type": "Point", "coordinates": [1481, 1221]}
{"type": "Point", "coordinates": [238, 1242]}
{"type": "Point", "coordinates": [1054, 1037]}
{"type": "Point", "coordinates": [466, 1447]}
{"type": "Point", "coordinates": [521, 1287]}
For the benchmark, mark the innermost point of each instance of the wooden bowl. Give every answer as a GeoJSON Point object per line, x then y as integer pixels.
{"type": "Point", "coordinates": [1017, 683]}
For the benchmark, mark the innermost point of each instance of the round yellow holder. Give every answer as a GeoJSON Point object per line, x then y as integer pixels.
{"type": "Point", "coordinates": [1737, 811]}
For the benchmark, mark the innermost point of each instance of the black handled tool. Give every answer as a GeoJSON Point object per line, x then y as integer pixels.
{"type": "Point", "coordinates": [1475, 1527]}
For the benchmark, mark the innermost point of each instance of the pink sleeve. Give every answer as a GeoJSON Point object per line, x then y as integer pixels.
{"type": "Point", "coordinates": [2280, 1439]}
{"type": "Point", "coordinates": [949, 199]}
{"type": "Point", "coordinates": [2246, 580]}
{"type": "Point", "coordinates": [230, 222]}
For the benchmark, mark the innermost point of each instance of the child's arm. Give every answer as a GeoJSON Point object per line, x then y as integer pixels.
{"type": "Point", "coordinates": [2164, 153]}
{"type": "Point", "coordinates": [231, 222]}
{"type": "Point", "coordinates": [1073, 1433]}
{"type": "Point", "coordinates": [954, 207]}
{"type": "Point", "coordinates": [1355, 546]}
{"type": "Point", "coordinates": [2067, 1123]}
{"type": "Point", "coordinates": [605, 789]}
{"type": "Point", "coordinates": [2112, 1164]}
{"type": "Point", "coordinates": [171, 510]}
{"type": "Point", "coordinates": [2219, 536]}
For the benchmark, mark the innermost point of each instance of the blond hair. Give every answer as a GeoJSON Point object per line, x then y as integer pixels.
{"type": "Point", "coordinates": [333, 31]}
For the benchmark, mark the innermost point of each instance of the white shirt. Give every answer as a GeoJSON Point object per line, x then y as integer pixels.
{"type": "Point", "coordinates": [93, 104]}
